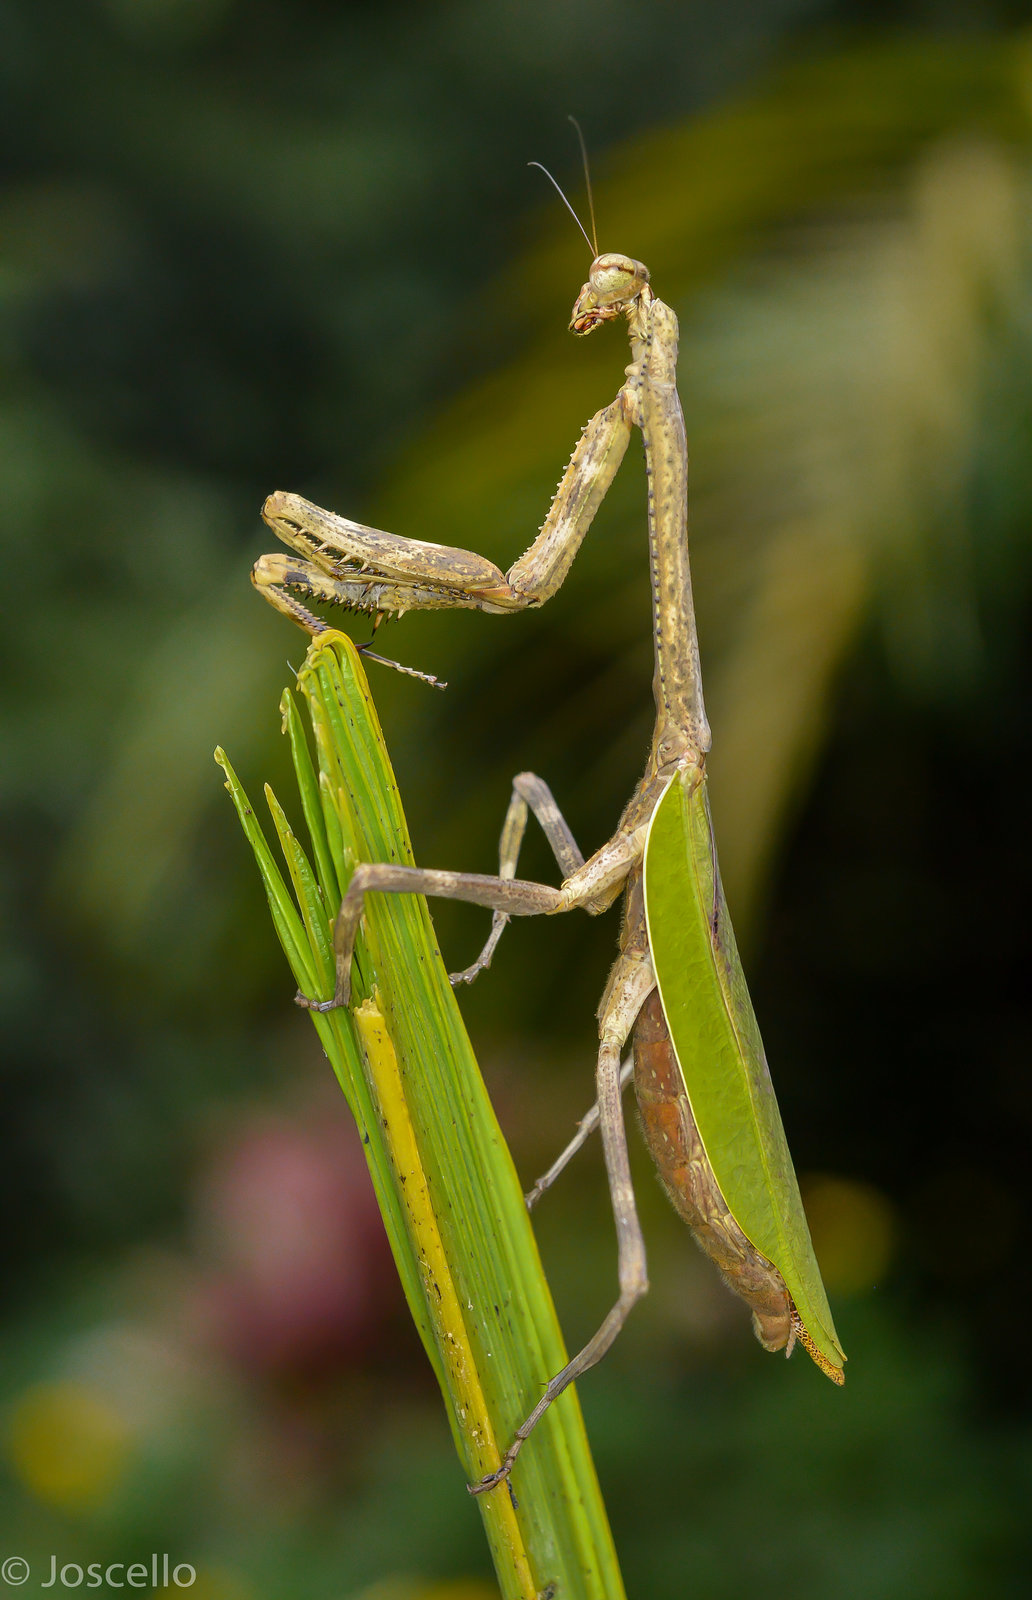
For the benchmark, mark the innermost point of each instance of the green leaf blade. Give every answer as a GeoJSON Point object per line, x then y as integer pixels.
{"type": "Point", "coordinates": [311, 802]}
{"type": "Point", "coordinates": [288, 924]}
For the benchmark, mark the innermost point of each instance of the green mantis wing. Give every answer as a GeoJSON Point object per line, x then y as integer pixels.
{"type": "Point", "coordinates": [717, 1042]}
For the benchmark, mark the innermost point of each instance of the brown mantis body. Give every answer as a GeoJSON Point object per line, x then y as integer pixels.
{"type": "Point", "coordinates": [346, 563]}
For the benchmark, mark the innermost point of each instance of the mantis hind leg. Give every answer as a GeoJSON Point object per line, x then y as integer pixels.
{"type": "Point", "coordinates": [628, 994]}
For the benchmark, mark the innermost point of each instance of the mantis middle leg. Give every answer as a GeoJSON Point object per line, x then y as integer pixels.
{"type": "Point", "coordinates": [529, 794]}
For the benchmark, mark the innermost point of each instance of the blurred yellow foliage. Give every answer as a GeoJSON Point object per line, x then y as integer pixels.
{"type": "Point", "coordinates": [219, 1583]}
{"type": "Point", "coordinates": [68, 1445]}
{"type": "Point", "coordinates": [853, 1231]}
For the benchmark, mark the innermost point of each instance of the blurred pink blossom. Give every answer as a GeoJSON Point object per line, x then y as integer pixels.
{"type": "Point", "coordinates": [297, 1273]}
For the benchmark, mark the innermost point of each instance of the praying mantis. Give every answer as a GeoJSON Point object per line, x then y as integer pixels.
{"type": "Point", "coordinates": [707, 1104]}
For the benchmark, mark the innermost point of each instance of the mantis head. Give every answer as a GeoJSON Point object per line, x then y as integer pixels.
{"type": "Point", "coordinates": [615, 284]}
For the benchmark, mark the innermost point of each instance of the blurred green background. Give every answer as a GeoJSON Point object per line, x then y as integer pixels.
{"type": "Point", "coordinates": [253, 244]}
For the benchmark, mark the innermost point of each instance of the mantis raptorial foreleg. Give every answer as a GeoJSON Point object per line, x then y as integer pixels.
{"type": "Point", "coordinates": [365, 569]}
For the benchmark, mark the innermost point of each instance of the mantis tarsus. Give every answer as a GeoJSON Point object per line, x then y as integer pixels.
{"type": "Point", "coordinates": [707, 1104]}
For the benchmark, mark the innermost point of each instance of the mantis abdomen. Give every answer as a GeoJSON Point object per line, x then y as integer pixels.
{"type": "Point", "coordinates": [685, 1172]}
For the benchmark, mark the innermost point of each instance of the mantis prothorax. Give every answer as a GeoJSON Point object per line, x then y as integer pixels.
{"type": "Point", "coordinates": [707, 1104]}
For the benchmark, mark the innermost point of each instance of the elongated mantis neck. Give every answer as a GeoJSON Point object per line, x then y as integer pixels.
{"type": "Point", "coordinates": [681, 727]}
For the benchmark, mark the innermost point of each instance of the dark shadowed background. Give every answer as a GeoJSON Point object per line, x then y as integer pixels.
{"type": "Point", "coordinates": [253, 244]}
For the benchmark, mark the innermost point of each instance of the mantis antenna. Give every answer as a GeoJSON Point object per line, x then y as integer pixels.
{"type": "Point", "coordinates": [566, 203]}
{"type": "Point", "coordinates": [591, 243]}
{"type": "Point", "coordinates": [587, 182]}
